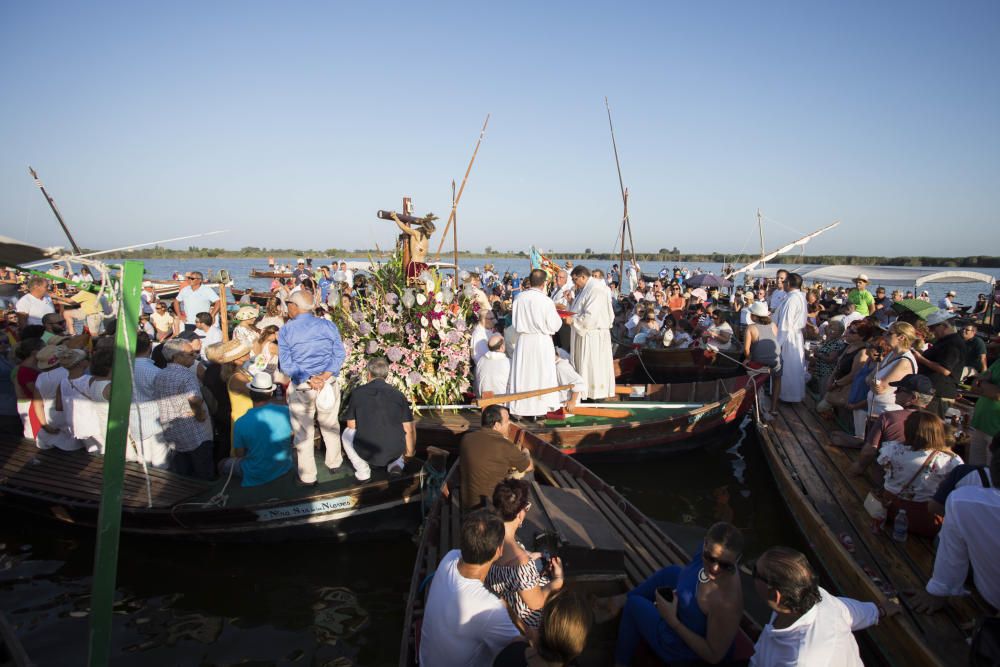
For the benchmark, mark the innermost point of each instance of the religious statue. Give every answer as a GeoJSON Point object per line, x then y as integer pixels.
{"type": "Point", "coordinates": [415, 239]}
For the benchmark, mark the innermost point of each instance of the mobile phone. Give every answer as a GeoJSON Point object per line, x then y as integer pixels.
{"type": "Point", "coordinates": [666, 593]}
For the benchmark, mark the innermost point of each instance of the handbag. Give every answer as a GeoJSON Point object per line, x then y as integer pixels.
{"type": "Point", "coordinates": [837, 397]}
{"type": "Point", "coordinates": [877, 507]}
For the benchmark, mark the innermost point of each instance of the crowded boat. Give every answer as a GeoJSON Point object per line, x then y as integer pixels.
{"type": "Point", "coordinates": [336, 367]}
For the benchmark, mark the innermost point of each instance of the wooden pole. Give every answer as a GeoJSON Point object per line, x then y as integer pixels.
{"type": "Point", "coordinates": [224, 311]}
{"type": "Point", "coordinates": [110, 515]}
{"type": "Point", "coordinates": [454, 229]}
{"type": "Point", "coordinates": [505, 398]}
{"type": "Point", "coordinates": [52, 205]}
{"type": "Point", "coordinates": [451, 218]}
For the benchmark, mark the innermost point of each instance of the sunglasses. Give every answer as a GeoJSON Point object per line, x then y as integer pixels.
{"type": "Point", "coordinates": [526, 507]}
{"type": "Point", "coordinates": [725, 566]}
{"type": "Point", "coordinates": [758, 576]}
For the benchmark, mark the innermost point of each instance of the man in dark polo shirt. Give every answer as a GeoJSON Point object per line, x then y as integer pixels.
{"type": "Point", "coordinates": [379, 424]}
{"type": "Point", "coordinates": [943, 362]}
{"type": "Point", "coordinates": [913, 392]}
{"type": "Point", "coordinates": [487, 457]}
{"type": "Point", "coordinates": [975, 352]}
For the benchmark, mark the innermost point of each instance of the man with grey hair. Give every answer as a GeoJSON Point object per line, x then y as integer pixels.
{"type": "Point", "coordinates": [380, 430]}
{"type": "Point", "coordinates": [311, 353]}
{"type": "Point", "coordinates": [493, 369]}
{"type": "Point", "coordinates": [195, 298]}
{"type": "Point", "coordinates": [183, 414]}
{"type": "Point", "coordinates": [34, 305]}
{"type": "Point", "coordinates": [913, 392]}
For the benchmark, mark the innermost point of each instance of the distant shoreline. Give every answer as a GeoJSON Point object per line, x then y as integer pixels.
{"type": "Point", "coordinates": [666, 258]}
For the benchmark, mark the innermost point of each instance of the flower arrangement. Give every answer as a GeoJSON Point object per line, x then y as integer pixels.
{"type": "Point", "coordinates": [419, 327]}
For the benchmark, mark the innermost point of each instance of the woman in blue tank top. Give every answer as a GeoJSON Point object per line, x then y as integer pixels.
{"type": "Point", "coordinates": [702, 619]}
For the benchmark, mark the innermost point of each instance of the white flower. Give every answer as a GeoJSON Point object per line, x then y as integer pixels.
{"type": "Point", "coordinates": [436, 324]}
{"type": "Point", "coordinates": [421, 299]}
{"type": "Point", "coordinates": [439, 298]}
{"type": "Point", "coordinates": [424, 321]}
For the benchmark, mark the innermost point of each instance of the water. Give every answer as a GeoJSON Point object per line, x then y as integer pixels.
{"type": "Point", "coordinates": [316, 604]}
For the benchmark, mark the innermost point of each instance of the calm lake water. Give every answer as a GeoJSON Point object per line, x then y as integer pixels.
{"type": "Point", "coordinates": [319, 604]}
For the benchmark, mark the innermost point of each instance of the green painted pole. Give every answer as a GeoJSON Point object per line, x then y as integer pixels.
{"type": "Point", "coordinates": [102, 596]}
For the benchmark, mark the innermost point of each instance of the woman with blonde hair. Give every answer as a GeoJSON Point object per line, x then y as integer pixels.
{"type": "Point", "coordinates": [272, 315]}
{"type": "Point", "coordinates": [897, 364]}
{"type": "Point", "coordinates": [566, 621]}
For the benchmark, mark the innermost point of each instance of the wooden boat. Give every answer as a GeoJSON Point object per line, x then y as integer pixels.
{"type": "Point", "coordinates": [608, 545]}
{"type": "Point", "coordinates": [12, 653]}
{"type": "Point", "coordinates": [669, 365]}
{"type": "Point", "coordinates": [66, 486]}
{"type": "Point", "coordinates": [695, 410]}
{"type": "Point", "coordinates": [826, 502]}
{"type": "Point", "coordinates": [259, 298]}
{"type": "Point", "coordinates": [255, 273]}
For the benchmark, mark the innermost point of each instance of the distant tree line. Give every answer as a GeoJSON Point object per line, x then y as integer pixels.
{"type": "Point", "coordinates": [671, 256]}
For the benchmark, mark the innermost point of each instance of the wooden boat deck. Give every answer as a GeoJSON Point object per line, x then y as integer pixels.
{"type": "Point", "coordinates": [78, 476]}
{"type": "Point", "coordinates": [827, 503]}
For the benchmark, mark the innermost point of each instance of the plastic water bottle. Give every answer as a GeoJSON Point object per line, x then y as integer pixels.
{"type": "Point", "coordinates": [900, 526]}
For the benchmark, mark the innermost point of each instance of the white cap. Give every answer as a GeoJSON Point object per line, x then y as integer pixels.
{"type": "Point", "coordinates": [146, 283]}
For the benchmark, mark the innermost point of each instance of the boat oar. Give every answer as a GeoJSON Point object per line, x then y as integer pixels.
{"type": "Point", "coordinates": [607, 413]}
{"type": "Point", "coordinates": [506, 398]}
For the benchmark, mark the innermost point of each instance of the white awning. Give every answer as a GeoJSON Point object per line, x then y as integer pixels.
{"type": "Point", "coordinates": [15, 253]}
{"type": "Point", "coordinates": [887, 275]}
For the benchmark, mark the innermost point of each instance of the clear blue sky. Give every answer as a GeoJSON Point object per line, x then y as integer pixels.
{"type": "Point", "coordinates": [292, 123]}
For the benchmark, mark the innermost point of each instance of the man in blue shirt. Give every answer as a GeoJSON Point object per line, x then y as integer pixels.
{"type": "Point", "coordinates": [311, 353]}
{"type": "Point", "coordinates": [262, 438]}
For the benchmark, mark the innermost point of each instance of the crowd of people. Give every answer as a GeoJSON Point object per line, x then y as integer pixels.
{"type": "Point", "coordinates": [245, 404]}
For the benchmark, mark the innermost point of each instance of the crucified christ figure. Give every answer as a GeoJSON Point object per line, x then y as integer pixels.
{"type": "Point", "coordinates": [417, 242]}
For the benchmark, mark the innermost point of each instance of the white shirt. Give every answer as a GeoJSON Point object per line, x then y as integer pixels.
{"type": "Point", "coordinates": [194, 302]}
{"type": "Point", "coordinates": [34, 307]}
{"type": "Point", "coordinates": [210, 337]}
{"type": "Point", "coordinates": [479, 342]}
{"type": "Point", "coordinates": [945, 304]}
{"type": "Point", "coordinates": [492, 373]}
{"type": "Point", "coordinates": [970, 536]}
{"type": "Point", "coordinates": [566, 374]}
{"type": "Point", "coordinates": [777, 298]}
{"type": "Point", "coordinates": [464, 624]}
{"type": "Point", "coordinates": [560, 295]}
{"type": "Point", "coordinates": [852, 317]}
{"type": "Point", "coordinates": [901, 464]}
{"type": "Point", "coordinates": [822, 637]}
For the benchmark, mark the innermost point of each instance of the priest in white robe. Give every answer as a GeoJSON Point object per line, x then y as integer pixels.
{"type": "Point", "coordinates": [533, 367]}
{"type": "Point", "coordinates": [791, 320]}
{"type": "Point", "coordinates": [493, 369]}
{"type": "Point", "coordinates": [590, 349]}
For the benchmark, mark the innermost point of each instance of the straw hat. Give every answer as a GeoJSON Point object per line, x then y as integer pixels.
{"type": "Point", "coordinates": [48, 357]}
{"type": "Point", "coordinates": [862, 277]}
{"type": "Point", "coordinates": [759, 308]}
{"type": "Point", "coordinates": [224, 353]}
{"type": "Point", "coordinates": [246, 313]}
{"type": "Point", "coordinates": [70, 357]}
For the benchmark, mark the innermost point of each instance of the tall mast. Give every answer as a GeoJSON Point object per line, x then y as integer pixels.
{"type": "Point", "coordinates": [52, 205]}
{"type": "Point", "coordinates": [760, 230]}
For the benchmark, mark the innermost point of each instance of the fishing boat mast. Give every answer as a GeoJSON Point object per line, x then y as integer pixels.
{"type": "Point", "coordinates": [760, 230]}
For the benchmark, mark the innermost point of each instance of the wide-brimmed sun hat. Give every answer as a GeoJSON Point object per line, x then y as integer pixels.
{"type": "Point", "coordinates": [224, 353]}
{"type": "Point", "coordinates": [759, 308]}
{"type": "Point", "coordinates": [861, 277]}
{"type": "Point", "coordinates": [246, 313]}
{"type": "Point", "coordinates": [48, 357]}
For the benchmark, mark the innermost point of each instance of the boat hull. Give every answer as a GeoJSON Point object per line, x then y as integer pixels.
{"type": "Point", "coordinates": [666, 365]}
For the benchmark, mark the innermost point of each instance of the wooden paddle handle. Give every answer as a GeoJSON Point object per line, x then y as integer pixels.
{"type": "Point", "coordinates": [607, 413]}
{"type": "Point", "coordinates": [506, 398]}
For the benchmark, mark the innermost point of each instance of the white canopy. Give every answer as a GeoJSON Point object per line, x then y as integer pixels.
{"type": "Point", "coordinates": [888, 275]}
{"type": "Point", "coordinates": [15, 253]}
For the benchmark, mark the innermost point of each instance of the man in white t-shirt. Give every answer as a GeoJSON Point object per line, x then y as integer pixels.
{"type": "Point", "coordinates": [34, 305]}
{"type": "Point", "coordinates": [209, 333]}
{"type": "Point", "coordinates": [195, 298]}
{"type": "Point", "coordinates": [465, 625]}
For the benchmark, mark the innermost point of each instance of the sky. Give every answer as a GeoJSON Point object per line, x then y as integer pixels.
{"type": "Point", "coordinates": [291, 124]}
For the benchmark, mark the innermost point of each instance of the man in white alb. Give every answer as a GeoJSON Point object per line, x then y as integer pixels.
{"type": "Point", "coordinates": [590, 347]}
{"type": "Point", "coordinates": [534, 320]}
{"type": "Point", "coordinates": [779, 294]}
{"type": "Point", "coordinates": [791, 320]}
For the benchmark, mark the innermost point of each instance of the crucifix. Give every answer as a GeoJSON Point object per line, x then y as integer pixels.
{"type": "Point", "coordinates": [415, 238]}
